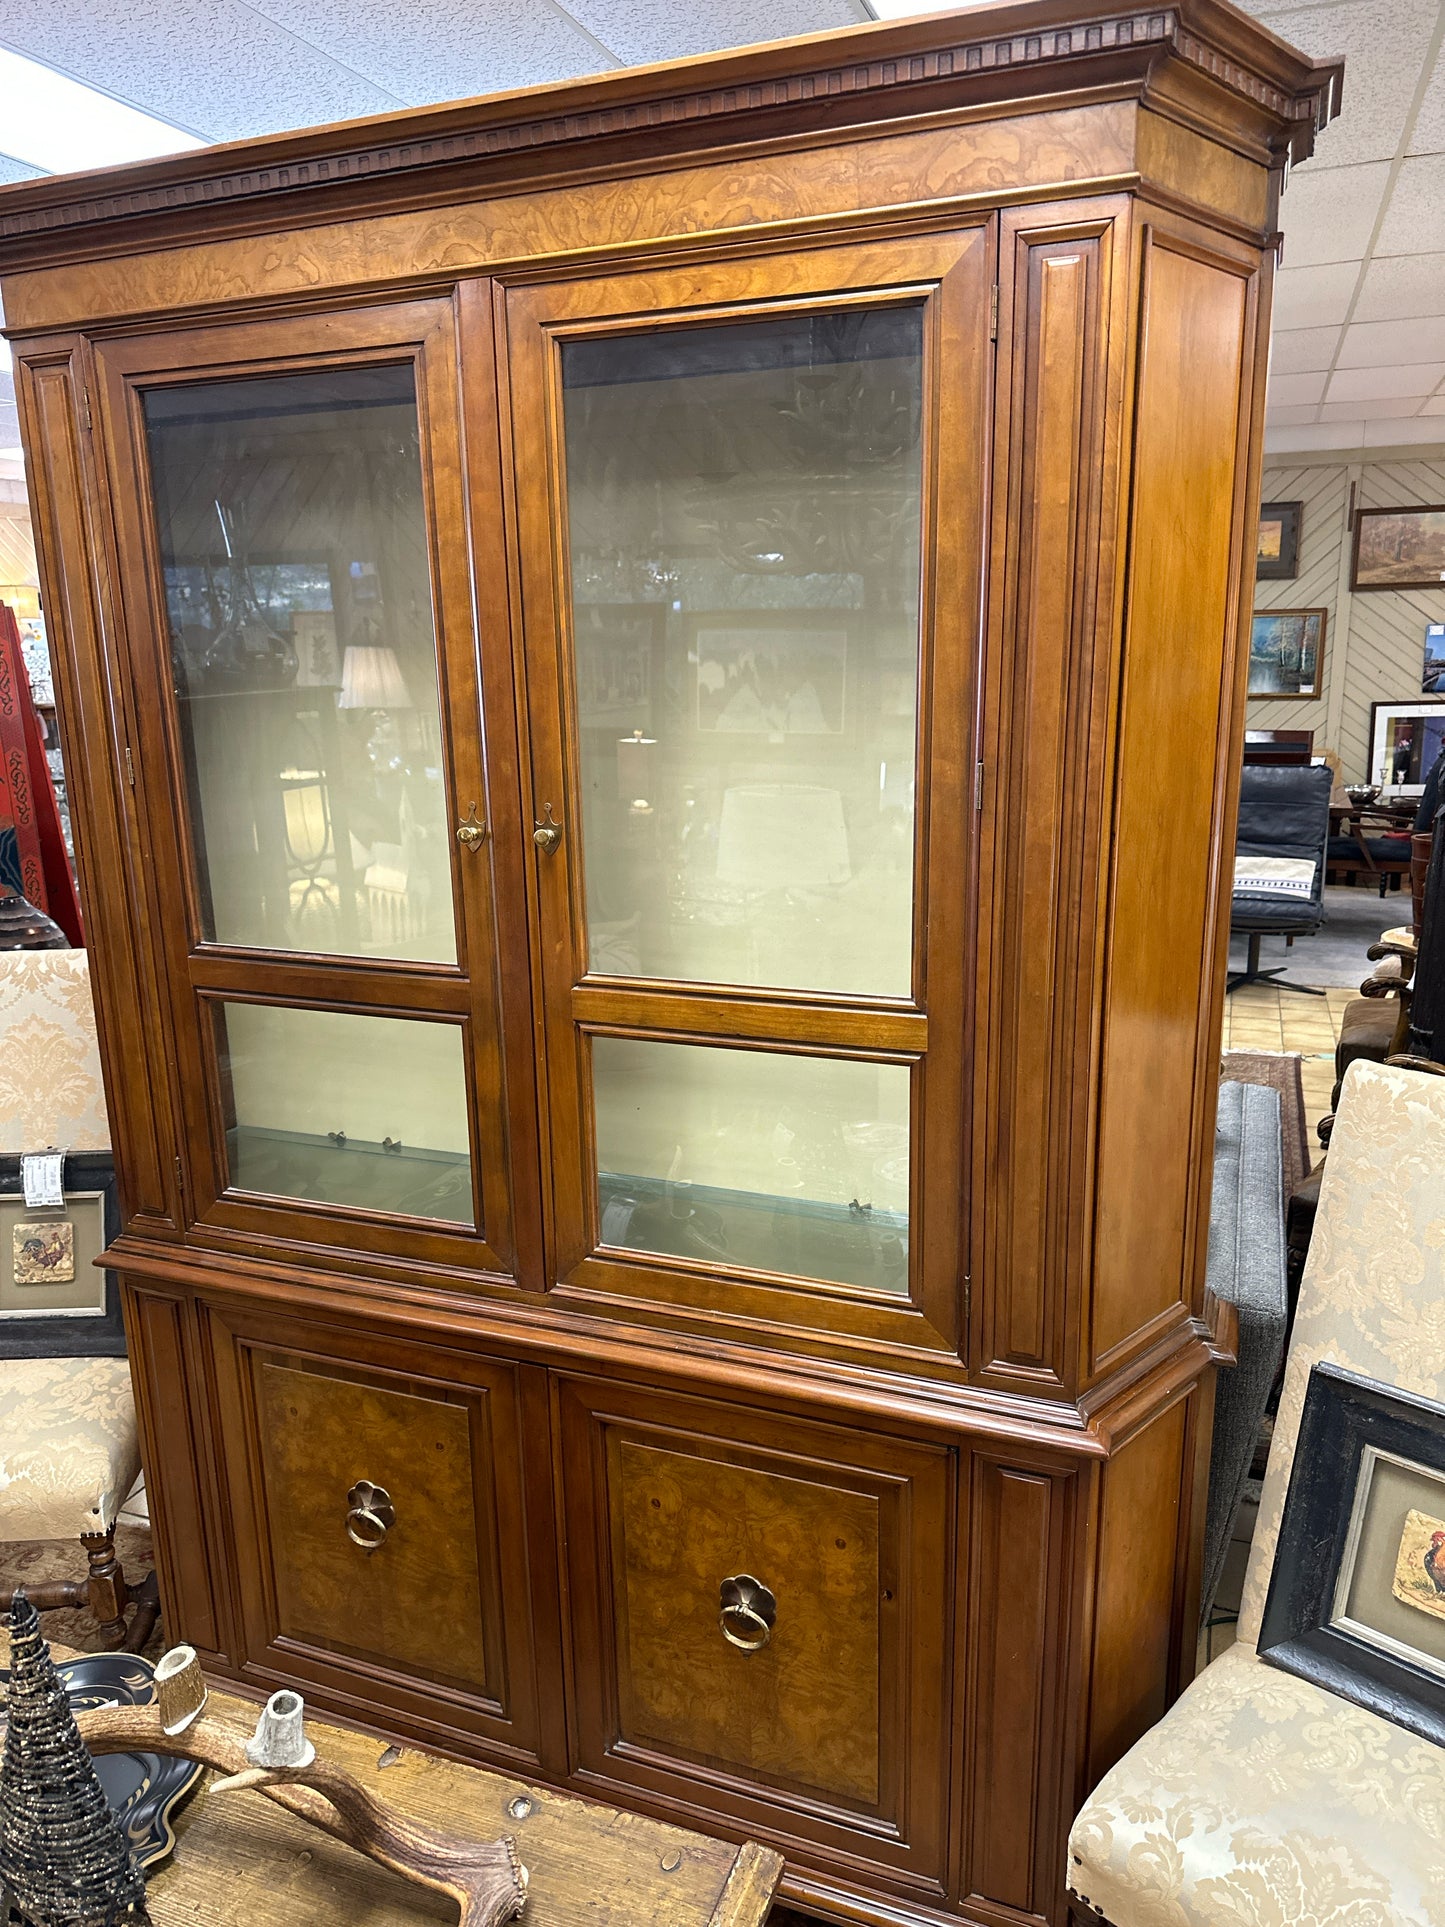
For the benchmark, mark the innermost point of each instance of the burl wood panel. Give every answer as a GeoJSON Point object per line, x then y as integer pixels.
{"type": "Point", "coordinates": [1178, 653]}
{"type": "Point", "coordinates": [319, 1434]}
{"type": "Point", "coordinates": [804, 1710]}
{"type": "Point", "coordinates": [939, 164]}
{"type": "Point", "coordinates": [1046, 661]}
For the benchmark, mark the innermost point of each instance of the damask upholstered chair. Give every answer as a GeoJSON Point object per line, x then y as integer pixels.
{"type": "Point", "coordinates": [69, 1453]}
{"type": "Point", "coordinates": [1261, 1798]}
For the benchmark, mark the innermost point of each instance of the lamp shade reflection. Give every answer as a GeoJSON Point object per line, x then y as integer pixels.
{"type": "Point", "coordinates": [371, 678]}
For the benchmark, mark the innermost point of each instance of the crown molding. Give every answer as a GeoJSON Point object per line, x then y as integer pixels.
{"type": "Point", "coordinates": [861, 74]}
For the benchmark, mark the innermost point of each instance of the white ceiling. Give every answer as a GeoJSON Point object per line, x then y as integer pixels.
{"type": "Point", "coordinates": [1359, 346]}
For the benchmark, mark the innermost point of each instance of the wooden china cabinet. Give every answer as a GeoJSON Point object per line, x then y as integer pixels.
{"type": "Point", "coordinates": [649, 672]}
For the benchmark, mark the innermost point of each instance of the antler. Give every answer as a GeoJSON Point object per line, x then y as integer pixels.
{"type": "Point", "coordinates": [485, 1878]}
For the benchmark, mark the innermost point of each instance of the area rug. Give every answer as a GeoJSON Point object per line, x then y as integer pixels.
{"type": "Point", "coordinates": [28, 1562]}
{"type": "Point", "coordinates": [1277, 1071]}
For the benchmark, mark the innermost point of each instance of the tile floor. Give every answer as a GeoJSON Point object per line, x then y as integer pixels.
{"type": "Point", "coordinates": [1263, 1017]}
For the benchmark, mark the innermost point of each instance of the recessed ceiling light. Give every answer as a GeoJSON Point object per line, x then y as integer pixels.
{"type": "Point", "coordinates": [61, 125]}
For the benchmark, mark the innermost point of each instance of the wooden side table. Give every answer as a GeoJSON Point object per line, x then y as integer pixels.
{"type": "Point", "coordinates": [241, 1861]}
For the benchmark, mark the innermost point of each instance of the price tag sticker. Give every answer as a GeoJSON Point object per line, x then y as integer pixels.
{"type": "Point", "coordinates": [40, 1174]}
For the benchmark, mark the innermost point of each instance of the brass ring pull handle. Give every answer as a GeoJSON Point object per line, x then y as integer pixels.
{"type": "Point", "coordinates": [548, 833]}
{"type": "Point", "coordinates": [747, 1612]}
{"type": "Point", "coordinates": [473, 833]}
{"type": "Point", "coordinates": [370, 1514]}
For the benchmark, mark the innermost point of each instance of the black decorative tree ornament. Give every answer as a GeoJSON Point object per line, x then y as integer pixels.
{"type": "Point", "coordinates": [64, 1861]}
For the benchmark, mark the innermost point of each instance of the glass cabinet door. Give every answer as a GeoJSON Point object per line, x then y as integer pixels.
{"type": "Point", "coordinates": [756, 635]}
{"type": "Point", "coordinates": [317, 739]}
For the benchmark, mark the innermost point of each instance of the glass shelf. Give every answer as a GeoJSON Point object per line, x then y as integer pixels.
{"type": "Point", "coordinates": [755, 1159]}
{"type": "Point", "coordinates": [337, 1108]}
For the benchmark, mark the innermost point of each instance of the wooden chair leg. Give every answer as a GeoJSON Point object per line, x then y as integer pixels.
{"type": "Point", "coordinates": [52, 1595]}
{"type": "Point", "coordinates": [106, 1593]}
{"type": "Point", "coordinates": [147, 1598]}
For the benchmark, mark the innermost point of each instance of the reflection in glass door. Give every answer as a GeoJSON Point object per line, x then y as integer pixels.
{"type": "Point", "coordinates": [291, 520]}
{"type": "Point", "coordinates": [744, 517]}
{"type": "Point", "coordinates": [744, 507]}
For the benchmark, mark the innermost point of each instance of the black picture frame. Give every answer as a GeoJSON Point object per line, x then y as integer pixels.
{"type": "Point", "coordinates": [1349, 1427]}
{"type": "Point", "coordinates": [1284, 566]}
{"type": "Point", "coordinates": [66, 1335]}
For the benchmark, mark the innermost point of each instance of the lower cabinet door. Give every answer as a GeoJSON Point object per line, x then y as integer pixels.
{"type": "Point", "coordinates": [379, 1523]}
{"type": "Point", "coordinates": [759, 1618]}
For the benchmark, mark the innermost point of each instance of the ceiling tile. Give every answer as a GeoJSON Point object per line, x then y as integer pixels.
{"type": "Point", "coordinates": [1296, 412]}
{"type": "Point", "coordinates": [1285, 389]}
{"type": "Point", "coordinates": [1378, 344]}
{"type": "Point", "coordinates": [1314, 297]}
{"type": "Point", "coordinates": [645, 30]}
{"type": "Point", "coordinates": [1301, 351]}
{"type": "Point", "coordinates": [1402, 285]}
{"type": "Point", "coordinates": [213, 67]}
{"type": "Point", "coordinates": [1387, 433]}
{"type": "Point", "coordinates": [433, 50]}
{"type": "Point", "coordinates": [1384, 43]}
{"type": "Point", "coordinates": [1330, 215]}
{"type": "Point", "coordinates": [13, 170]}
{"type": "Point", "coordinates": [1428, 136]}
{"type": "Point", "coordinates": [1385, 409]}
{"type": "Point", "coordinates": [1415, 219]}
{"type": "Point", "coordinates": [1377, 384]}
{"type": "Point", "coordinates": [1433, 405]}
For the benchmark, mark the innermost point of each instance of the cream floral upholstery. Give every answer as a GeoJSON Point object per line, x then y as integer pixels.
{"type": "Point", "coordinates": [50, 1088]}
{"type": "Point", "coordinates": [1260, 1800]}
{"type": "Point", "coordinates": [68, 1448]}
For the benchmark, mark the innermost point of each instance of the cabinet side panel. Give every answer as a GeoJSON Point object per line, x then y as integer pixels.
{"type": "Point", "coordinates": [172, 1454]}
{"type": "Point", "coordinates": [70, 550]}
{"type": "Point", "coordinates": [1175, 696]}
{"type": "Point", "coordinates": [1146, 1488]}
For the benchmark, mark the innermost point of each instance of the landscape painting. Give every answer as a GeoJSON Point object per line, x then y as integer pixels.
{"type": "Point", "coordinates": [1399, 548]}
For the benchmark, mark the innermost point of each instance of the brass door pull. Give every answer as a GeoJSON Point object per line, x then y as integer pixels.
{"type": "Point", "coordinates": [473, 833]}
{"type": "Point", "coordinates": [370, 1514]}
{"type": "Point", "coordinates": [747, 1612]}
{"type": "Point", "coordinates": [548, 833]}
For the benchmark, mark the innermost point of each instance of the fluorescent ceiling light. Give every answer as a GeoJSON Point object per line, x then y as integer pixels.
{"type": "Point", "coordinates": [906, 9]}
{"type": "Point", "coordinates": [60, 125]}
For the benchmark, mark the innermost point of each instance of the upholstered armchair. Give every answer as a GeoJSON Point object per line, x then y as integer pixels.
{"type": "Point", "coordinates": [1261, 1798]}
{"type": "Point", "coordinates": [69, 1453]}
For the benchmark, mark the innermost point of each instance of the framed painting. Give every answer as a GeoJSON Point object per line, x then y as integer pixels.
{"type": "Point", "coordinates": [55, 1302]}
{"type": "Point", "coordinates": [773, 673]}
{"type": "Point", "coordinates": [1356, 1600]}
{"type": "Point", "coordinates": [1399, 548]}
{"type": "Point", "coordinates": [1287, 653]}
{"type": "Point", "coordinates": [1405, 740]}
{"type": "Point", "coordinates": [1432, 677]}
{"type": "Point", "coordinates": [1276, 550]}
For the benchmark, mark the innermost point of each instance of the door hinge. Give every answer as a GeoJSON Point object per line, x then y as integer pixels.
{"type": "Point", "coordinates": [993, 312]}
{"type": "Point", "coordinates": [129, 767]}
{"type": "Point", "coordinates": [977, 787]}
{"type": "Point", "coordinates": [82, 401]}
{"type": "Point", "coordinates": [181, 1183]}
{"type": "Point", "coordinates": [967, 1300]}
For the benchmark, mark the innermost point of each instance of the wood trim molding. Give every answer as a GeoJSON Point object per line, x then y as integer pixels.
{"type": "Point", "coordinates": [909, 67]}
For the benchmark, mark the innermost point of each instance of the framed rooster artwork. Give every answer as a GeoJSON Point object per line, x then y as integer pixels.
{"type": "Point", "coordinates": [1356, 1600]}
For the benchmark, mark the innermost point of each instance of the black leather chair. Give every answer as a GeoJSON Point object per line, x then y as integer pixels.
{"type": "Point", "coordinates": [1283, 811]}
